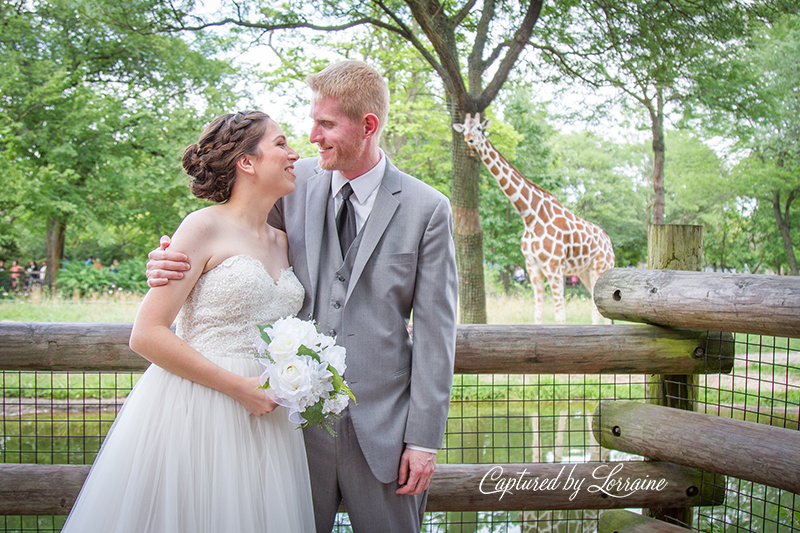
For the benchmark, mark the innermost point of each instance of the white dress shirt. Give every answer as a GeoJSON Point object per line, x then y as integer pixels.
{"type": "Point", "coordinates": [365, 189]}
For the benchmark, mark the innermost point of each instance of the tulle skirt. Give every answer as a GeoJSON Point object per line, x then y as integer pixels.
{"type": "Point", "coordinates": [184, 458]}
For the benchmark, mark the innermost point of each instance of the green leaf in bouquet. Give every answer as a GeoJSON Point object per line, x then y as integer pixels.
{"type": "Point", "coordinates": [304, 350]}
{"type": "Point", "coordinates": [264, 333]}
{"type": "Point", "coordinates": [313, 414]}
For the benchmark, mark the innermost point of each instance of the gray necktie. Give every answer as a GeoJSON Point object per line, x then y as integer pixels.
{"type": "Point", "coordinates": [346, 220]}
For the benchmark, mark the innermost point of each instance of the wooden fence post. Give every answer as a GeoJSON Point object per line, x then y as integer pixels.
{"type": "Point", "coordinates": [674, 247]}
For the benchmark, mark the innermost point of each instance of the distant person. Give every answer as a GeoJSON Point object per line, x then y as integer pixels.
{"type": "Point", "coordinates": [114, 268]}
{"type": "Point", "coordinates": [16, 273]}
{"type": "Point", "coordinates": [519, 274]}
{"type": "Point", "coordinates": [33, 274]}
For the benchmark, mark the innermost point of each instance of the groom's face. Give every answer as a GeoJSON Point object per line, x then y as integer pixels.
{"type": "Point", "coordinates": [341, 140]}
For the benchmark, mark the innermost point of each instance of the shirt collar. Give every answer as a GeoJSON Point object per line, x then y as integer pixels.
{"type": "Point", "coordinates": [363, 185]}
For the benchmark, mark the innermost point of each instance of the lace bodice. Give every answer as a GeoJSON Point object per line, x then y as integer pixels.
{"type": "Point", "coordinates": [221, 313]}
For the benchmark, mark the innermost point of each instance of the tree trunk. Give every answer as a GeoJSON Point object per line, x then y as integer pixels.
{"type": "Point", "coordinates": [657, 125]}
{"type": "Point", "coordinates": [505, 279]}
{"type": "Point", "coordinates": [56, 232]}
{"type": "Point", "coordinates": [782, 217]}
{"type": "Point", "coordinates": [467, 228]}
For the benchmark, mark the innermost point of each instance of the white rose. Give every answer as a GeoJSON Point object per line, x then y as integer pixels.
{"type": "Point", "coordinates": [335, 355]}
{"type": "Point", "coordinates": [288, 334]}
{"type": "Point", "coordinates": [282, 348]}
{"type": "Point", "coordinates": [291, 380]}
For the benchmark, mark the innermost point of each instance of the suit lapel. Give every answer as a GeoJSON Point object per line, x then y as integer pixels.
{"type": "Point", "coordinates": [318, 191]}
{"type": "Point", "coordinates": [386, 203]}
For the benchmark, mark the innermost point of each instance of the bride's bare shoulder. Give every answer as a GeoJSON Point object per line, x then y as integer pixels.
{"type": "Point", "coordinates": [198, 230]}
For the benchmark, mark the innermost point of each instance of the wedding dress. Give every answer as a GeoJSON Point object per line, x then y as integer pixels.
{"type": "Point", "coordinates": [184, 458]}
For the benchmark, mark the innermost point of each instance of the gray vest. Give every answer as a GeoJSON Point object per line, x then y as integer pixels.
{"type": "Point", "coordinates": [333, 281]}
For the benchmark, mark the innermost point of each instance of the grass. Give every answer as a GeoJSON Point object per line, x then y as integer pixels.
{"type": "Point", "coordinates": [38, 307]}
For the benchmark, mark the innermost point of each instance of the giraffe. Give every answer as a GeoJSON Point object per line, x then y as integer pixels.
{"type": "Point", "coordinates": [556, 243]}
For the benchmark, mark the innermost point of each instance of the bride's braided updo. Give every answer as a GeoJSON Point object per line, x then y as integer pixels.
{"type": "Point", "coordinates": [211, 162]}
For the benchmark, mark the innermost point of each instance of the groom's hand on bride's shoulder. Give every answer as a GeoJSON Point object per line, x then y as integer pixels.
{"type": "Point", "coordinates": [164, 265]}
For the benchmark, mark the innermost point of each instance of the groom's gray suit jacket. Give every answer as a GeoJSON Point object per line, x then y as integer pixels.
{"type": "Point", "coordinates": [404, 262]}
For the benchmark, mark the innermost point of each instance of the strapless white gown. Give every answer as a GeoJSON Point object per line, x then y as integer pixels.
{"type": "Point", "coordinates": [184, 458]}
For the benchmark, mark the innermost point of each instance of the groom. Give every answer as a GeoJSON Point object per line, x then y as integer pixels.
{"type": "Point", "coordinates": [401, 259]}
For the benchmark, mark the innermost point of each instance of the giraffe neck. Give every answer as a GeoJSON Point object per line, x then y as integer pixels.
{"type": "Point", "coordinates": [526, 197]}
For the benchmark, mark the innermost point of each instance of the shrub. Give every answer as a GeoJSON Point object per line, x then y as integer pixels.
{"type": "Point", "coordinates": [86, 279]}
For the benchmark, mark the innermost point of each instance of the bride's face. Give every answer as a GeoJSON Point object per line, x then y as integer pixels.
{"type": "Point", "coordinates": [274, 163]}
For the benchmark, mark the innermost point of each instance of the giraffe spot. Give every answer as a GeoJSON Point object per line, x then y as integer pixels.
{"type": "Point", "coordinates": [551, 230]}
{"type": "Point", "coordinates": [503, 182]}
{"type": "Point", "coordinates": [529, 220]}
{"type": "Point", "coordinates": [539, 229]}
{"type": "Point", "coordinates": [520, 206]}
{"type": "Point", "coordinates": [495, 171]}
{"type": "Point", "coordinates": [585, 250]}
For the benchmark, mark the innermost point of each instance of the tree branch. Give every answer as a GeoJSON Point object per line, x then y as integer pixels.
{"type": "Point", "coordinates": [521, 38]}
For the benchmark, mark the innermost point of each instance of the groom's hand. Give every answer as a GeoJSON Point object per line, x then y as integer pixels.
{"type": "Point", "coordinates": [165, 265]}
{"type": "Point", "coordinates": [416, 470]}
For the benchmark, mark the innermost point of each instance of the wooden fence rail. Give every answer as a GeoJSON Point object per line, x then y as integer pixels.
{"type": "Point", "coordinates": [741, 303]}
{"type": "Point", "coordinates": [523, 349]}
{"type": "Point", "coordinates": [33, 489]}
{"type": "Point", "coordinates": [746, 450]}
{"type": "Point", "coordinates": [621, 521]}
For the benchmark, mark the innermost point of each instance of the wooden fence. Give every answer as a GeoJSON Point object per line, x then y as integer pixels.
{"type": "Point", "coordinates": [671, 302]}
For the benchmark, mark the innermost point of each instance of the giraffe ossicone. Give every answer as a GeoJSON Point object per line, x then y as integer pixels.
{"type": "Point", "coordinates": [556, 243]}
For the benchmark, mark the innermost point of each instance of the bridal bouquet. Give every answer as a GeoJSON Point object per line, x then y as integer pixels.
{"type": "Point", "coordinates": [304, 369]}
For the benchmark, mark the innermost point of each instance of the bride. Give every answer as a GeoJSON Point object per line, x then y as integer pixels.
{"type": "Point", "coordinates": [197, 447]}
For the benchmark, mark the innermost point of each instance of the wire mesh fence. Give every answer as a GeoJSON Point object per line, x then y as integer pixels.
{"type": "Point", "coordinates": [62, 418]}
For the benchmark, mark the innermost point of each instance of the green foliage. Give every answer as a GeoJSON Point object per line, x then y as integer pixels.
{"type": "Point", "coordinates": [749, 96]}
{"type": "Point", "coordinates": [94, 116]}
{"type": "Point", "coordinates": [76, 277]}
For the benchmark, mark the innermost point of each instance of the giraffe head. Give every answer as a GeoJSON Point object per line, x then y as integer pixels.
{"type": "Point", "coordinates": [473, 129]}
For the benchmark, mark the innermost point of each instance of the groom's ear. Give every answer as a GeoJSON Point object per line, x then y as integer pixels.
{"type": "Point", "coordinates": [371, 124]}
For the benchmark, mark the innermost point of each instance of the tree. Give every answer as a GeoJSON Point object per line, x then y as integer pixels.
{"type": "Point", "coordinates": [75, 93]}
{"type": "Point", "coordinates": [471, 49]}
{"type": "Point", "coordinates": [759, 107]}
{"type": "Point", "coordinates": [645, 50]}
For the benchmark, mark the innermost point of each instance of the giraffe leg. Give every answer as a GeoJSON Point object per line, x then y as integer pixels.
{"type": "Point", "coordinates": [537, 281]}
{"type": "Point", "coordinates": [557, 287]}
{"type": "Point", "coordinates": [588, 278]}
{"type": "Point", "coordinates": [597, 318]}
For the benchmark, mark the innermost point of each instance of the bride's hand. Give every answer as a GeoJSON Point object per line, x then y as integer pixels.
{"type": "Point", "coordinates": [254, 398]}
